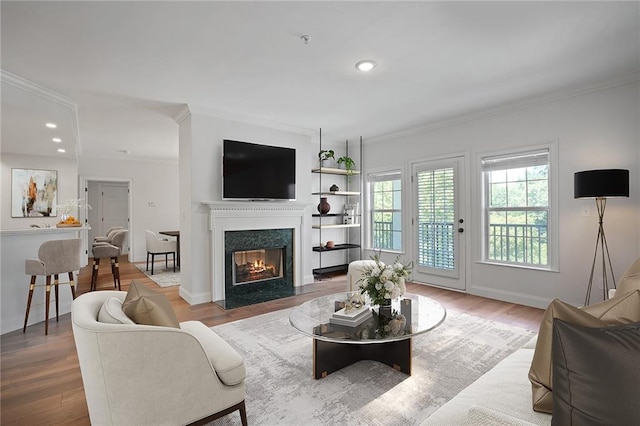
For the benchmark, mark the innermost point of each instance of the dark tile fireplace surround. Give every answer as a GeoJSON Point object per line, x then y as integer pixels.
{"type": "Point", "coordinates": [264, 282]}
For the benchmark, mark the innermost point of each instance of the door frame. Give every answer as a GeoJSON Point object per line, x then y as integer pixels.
{"type": "Point", "coordinates": [464, 212]}
{"type": "Point", "coordinates": [83, 186]}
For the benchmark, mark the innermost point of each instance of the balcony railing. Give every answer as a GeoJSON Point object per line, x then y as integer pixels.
{"type": "Point", "coordinates": [383, 235]}
{"type": "Point", "coordinates": [526, 244]}
{"type": "Point", "coordinates": [436, 245]}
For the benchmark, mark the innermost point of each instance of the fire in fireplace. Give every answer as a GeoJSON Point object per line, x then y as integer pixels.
{"type": "Point", "coordinates": [257, 265]}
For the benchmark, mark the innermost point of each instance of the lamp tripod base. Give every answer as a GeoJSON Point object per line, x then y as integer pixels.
{"type": "Point", "coordinates": [603, 249]}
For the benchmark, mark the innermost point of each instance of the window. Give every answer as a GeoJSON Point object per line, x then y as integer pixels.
{"type": "Point", "coordinates": [386, 211]}
{"type": "Point", "coordinates": [516, 208]}
{"type": "Point", "coordinates": [436, 218]}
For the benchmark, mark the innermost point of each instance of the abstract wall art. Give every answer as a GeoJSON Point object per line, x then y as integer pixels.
{"type": "Point", "coordinates": [34, 193]}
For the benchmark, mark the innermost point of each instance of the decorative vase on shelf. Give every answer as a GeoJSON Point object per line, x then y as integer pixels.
{"type": "Point", "coordinates": [324, 206]}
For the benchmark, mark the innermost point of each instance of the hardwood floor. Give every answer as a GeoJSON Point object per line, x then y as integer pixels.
{"type": "Point", "coordinates": [40, 380]}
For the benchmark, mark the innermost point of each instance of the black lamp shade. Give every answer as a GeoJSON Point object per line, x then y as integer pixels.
{"type": "Point", "coordinates": [601, 183]}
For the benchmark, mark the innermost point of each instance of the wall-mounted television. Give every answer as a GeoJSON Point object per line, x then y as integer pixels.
{"type": "Point", "coordinates": [252, 171]}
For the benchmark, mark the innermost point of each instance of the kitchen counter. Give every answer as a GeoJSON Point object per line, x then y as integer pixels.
{"type": "Point", "coordinates": [16, 246]}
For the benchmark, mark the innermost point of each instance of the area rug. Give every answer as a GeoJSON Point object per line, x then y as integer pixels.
{"type": "Point", "coordinates": [164, 277]}
{"type": "Point", "coordinates": [281, 390]}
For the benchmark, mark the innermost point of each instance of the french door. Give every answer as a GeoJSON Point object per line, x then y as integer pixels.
{"type": "Point", "coordinates": [438, 223]}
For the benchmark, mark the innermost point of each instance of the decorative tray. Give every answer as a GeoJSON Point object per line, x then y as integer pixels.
{"type": "Point", "coordinates": [68, 225]}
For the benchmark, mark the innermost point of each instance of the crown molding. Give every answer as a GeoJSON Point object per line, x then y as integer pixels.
{"type": "Point", "coordinates": [49, 95]}
{"type": "Point", "coordinates": [246, 119]}
{"type": "Point", "coordinates": [36, 89]}
{"type": "Point", "coordinates": [182, 114]}
{"type": "Point", "coordinates": [531, 102]}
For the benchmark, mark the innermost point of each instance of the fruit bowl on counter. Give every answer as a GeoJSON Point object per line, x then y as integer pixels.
{"type": "Point", "coordinates": [69, 222]}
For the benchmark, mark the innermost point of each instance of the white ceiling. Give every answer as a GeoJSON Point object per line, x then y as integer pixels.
{"type": "Point", "coordinates": [130, 66]}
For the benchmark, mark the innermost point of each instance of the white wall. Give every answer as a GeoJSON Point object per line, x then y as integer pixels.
{"type": "Point", "coordinates": [201, 139]}
{"type": "Point", "coordinates": [67, 186]}
{"type": "Point", "coordinates": [151, 181]}
{"type": "Point", "coordinates": [597, 130]}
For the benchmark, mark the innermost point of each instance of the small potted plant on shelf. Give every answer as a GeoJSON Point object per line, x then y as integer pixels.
{"type": "Point", "coordinates": [326, 154]}
{"type": "Point", "coordinates": [349, 164]}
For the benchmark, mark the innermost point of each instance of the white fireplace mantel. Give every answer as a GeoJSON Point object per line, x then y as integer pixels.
{"type": "Point", "coordinates": [239, 216]}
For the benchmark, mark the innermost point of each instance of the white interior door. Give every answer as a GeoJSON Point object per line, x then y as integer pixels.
{"type": "Point", "coordinates": [438, 223]}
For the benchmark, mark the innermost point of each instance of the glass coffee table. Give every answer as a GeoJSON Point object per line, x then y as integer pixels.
{"type": "Point", "coordinates": [337, 346]}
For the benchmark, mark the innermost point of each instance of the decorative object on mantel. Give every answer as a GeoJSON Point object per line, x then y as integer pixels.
{"type": "Point", "coordinates": [324, 206]}
{"type": "Point", "coordinates": [383, 282]}
{"type": "Point", "coordinates": [34, 193]}
{"type": "Point", "coordinates": [600, 184]}
{"type": "Point", "coordinates": [334, 188]}
{"type": "Point", "coordinates": [330, 244]}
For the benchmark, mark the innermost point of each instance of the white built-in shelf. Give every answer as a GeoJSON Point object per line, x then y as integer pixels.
{"type": "Point", "coordinates": [332, 171]}
{"type": "Point", "coordinates": [344, 193]}
{"type": "Point", "coordinates": [336, 225]}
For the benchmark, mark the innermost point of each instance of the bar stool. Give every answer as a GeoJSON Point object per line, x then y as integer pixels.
{"type": "Point", "coordinates": [103, 250]}
{"type": "Point", "coordinates": [54, 257]}
{"type": "Point", "coordinates": [108, 236]}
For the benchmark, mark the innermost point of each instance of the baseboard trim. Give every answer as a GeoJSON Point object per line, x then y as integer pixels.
{"type": "Point", "coordinates": [194, 299]}
{"type": "Point", "coordinates": [508, 296]}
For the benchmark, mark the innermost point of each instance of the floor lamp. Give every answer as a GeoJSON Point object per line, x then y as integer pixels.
{"type": "Point", "coordinates": [601, 184]}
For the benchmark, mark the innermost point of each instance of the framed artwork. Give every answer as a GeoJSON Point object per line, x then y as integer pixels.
{"type": "Point", "coordinates": [34, 193]}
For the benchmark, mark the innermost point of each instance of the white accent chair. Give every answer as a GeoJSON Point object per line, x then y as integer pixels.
{"type": "Point", "coordinates": [355, 273]}
{"type": "Point", "coordinates": [151, 375]}
{"type": "Point", "coordinates": [157, 246]}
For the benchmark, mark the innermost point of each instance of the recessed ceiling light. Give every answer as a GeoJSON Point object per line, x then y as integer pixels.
{"type": "Point", "coordinates": [62, 150]}
{"type": "Point", "coordinates": [124, 151]}
{"type": "Point", "coordinates": [57, 140]}
{"type": "Point", "coordinates": [51, 125]}
{"type": "Point", "coordinates": [366, 65]}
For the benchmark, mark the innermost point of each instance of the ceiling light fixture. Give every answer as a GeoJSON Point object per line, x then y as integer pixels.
{"type": "Point", "coordinates": [57, 140]}
{"type": "Point", "coordinates": [62, 150]}
{"type": "Point", "coordinates": [366, 65]}
{"type": "Point", "coordinates": [51, 125]}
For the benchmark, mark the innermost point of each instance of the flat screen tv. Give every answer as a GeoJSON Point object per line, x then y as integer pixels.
{"type": "Point", "coordinates": [252, 171]}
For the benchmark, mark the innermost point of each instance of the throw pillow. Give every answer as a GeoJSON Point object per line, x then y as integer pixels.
{"type": "Point", "coordinates": [111, 312]}
{"type": "Point", "coordinates": [595, 375]}
{"type": "Point", "coordinates": [146, 306]}
{"type": "Point", "coordinates": [622, 310]}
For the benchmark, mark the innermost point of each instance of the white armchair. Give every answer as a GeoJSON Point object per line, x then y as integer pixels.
{"type": "Point", "coordinates": [157, 246]}
{"type": "Point", "coordinates": [355, 273]}
{"type": "Point", "coordinates": [152, 375]}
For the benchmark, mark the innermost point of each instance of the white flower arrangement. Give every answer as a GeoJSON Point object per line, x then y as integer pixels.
{"type": "Point", "coordinates": [70, 205]}
{"type": "Point", "coordinates": [383, 281]}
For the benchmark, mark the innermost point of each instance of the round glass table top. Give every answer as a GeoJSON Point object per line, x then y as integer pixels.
{"type": "Point", "coordinates": [410, 315]}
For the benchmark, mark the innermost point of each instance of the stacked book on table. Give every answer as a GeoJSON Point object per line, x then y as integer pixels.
{"type": "Point", "coordinates": [351, 318]}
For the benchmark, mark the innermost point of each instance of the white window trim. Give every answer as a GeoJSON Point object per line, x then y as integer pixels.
{"type": "Point", "coordinates": [553, 219]}
{"type": "Point", "coordinates": [403, 203]}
